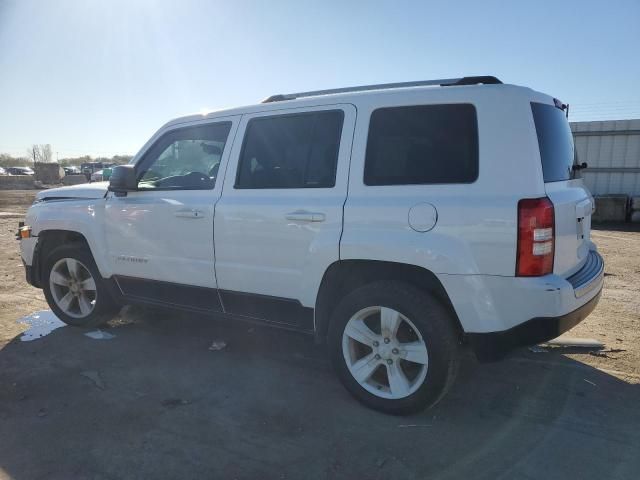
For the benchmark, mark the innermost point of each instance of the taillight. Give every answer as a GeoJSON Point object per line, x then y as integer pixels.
{"type": "Point", "coordinates": [536, 237]}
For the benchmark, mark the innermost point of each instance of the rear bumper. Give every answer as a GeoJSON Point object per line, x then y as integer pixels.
{"type": "Point", "coordinates": [502, 313]}
{"type": "Point", "coordinates": [495, 345]}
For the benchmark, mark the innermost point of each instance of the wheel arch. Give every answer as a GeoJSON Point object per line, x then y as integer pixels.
{"type": "Point", "coordinates": [47, 241]}
{"type": "Point", "coordinates": [344, 276]}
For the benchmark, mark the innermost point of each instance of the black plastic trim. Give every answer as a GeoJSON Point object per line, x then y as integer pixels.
{"type": "Point", "coordinates": [272, 309]}
{"type": "Point", "coordinates": [33, 272]}
{"type": "Point", "coordinates": [495, 345]}
{"type": "Point", "coordinates": [276, 311]}
{"type": "Point", "coordinates": [28, 271]}
{"type": "Point", "coordinates": [590, 270]}
{"type": "Point", "coordinates": [178, 295]}
{"type": "Point", "coordinates": [484, 79]}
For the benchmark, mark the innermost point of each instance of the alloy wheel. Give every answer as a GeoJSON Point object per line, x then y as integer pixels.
{"type": "Point", "coordinates": [73, 287]}
{"type": "Point", "coordinates": [385, 352]}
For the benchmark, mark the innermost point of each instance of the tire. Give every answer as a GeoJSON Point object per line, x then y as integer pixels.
{"type": "Point", "coordinates": [424, 324]}
{"type": "Point", "coordinates": [101, 306]}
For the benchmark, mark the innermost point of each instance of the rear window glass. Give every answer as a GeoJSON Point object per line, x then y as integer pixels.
{"type": "Point", "coordinates": [555, 142]}
{"type": "Point", "coordinates": [291, 151]}
{"type": "Point", "coordinates": [424, 144]}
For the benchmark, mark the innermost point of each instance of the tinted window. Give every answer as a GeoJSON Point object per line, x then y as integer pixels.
{"type": "Point", "coordinates": [555, 142]}
{"type": "Point", "coordinates": [422, 144]}
{"type": "Point", "coordinates": [185, 159]}
{"type": "Point", "coordinates": [291, 151]}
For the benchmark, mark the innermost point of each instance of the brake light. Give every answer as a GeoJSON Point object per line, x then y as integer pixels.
{"type": "Point", "coordinates": [536, 237]}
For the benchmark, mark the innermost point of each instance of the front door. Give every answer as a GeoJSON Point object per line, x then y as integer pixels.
{"type": "Point", "coordinates": [160, 238]}
{"type": "Point", "coordinates": [279, 220]}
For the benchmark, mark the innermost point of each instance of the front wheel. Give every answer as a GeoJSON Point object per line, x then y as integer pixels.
{"type": "Point", "coordinates": [74, 289]}
{"type": "Point", "coordinates": [394, 347]}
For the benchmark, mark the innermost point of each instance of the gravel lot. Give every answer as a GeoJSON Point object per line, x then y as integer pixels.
{"type": "Point", "coordinates": [155, 402]}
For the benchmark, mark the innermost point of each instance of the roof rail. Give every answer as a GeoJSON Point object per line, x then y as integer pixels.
{"type": "Point", "coordinates": [443, 82]}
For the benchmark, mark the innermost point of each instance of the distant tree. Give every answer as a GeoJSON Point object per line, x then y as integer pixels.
{"type": "Point", "coordinates": [121, 159]}
{"type": "Point", "coordinates": [43, 153]}
{"type": "Point", "coordinates": [7, 160]}
{"type": "Point", "coordinates": [46, 154]}
{"type": "Point", "coordinates": [40, 153]}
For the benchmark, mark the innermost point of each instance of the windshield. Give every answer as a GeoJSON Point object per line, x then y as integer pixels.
{"type": "Point", "coordinates": [555, 142]}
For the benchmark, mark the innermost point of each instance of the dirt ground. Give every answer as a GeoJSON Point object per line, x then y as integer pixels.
{"type": "Point", "coordinates": [155, 401]}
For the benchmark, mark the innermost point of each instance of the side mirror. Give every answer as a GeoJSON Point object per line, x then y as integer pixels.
{"type": "Point", "coordinates": [123, 179]}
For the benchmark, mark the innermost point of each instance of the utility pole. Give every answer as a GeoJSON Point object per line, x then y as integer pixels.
{"type": "Point", "coordinates": [33, 150]}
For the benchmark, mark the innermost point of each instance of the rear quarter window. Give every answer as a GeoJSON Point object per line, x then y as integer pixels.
{"type": "Point", "coordinates": [555, 142]}
{"type": "Point", "coordinates": [425, 144]}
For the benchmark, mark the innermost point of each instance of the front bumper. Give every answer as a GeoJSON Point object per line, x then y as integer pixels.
{"type": "Point", "coordinates": [28, 271]}
{"type": "Point", "coordinates": [495, 345]}
{"type": "Point", "coordinates": [28, 253]}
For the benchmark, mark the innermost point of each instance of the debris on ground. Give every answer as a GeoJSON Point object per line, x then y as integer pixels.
{"type": "Point", "coordinates": [589, 344]}
{"type": "Point", "coordinates": [537, 349]}
{"type": "Point", "coordinates": [174, 402]}
{"type": "Point", "coordinates": [100, 335]}
{"type": "Point", "coordinates": [603, 353]}
{"type": "Point", "coordinates": [589, 382]}
{"type": "Point", "coordinates": [575, 343]}
{"type": "Point", "coordinates": [42, 412]}
{"type": "Point", "coordinates": [218, 345]}
{"type": "Point", "coordinates": [94, 376]}
{"type": "Point", "coordinates": [413, 425]}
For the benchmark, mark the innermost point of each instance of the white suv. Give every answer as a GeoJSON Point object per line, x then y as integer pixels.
{"type": "Point", "coordinates": [395, 222]}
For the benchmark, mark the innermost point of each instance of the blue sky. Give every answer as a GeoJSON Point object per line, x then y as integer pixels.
{"type": "Point", "coordinates": [99, 77]}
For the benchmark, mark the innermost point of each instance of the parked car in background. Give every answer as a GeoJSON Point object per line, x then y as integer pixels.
{"type": "Point", "coordinates": [101, 175]}
{"type": "Point", "coordinates": [2, 171]}
{"type": "Point", "coordinates": [394, 223]}
{"type": "Point", "coordinates": [20, 171]}
{"type": "Point", "coordinates": [97, 176]}
{"type": "Point", "coordinates": [71, 170]}
{"type": "Point", "coordinates": [90, 168]}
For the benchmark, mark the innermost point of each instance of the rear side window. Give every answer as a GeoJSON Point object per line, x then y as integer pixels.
{"type": "Point", "coordinates": [291, 151]}
{"type": "Point", "coordinates": [555, 142]}
{"type": "Point", "coordinates": [425, 144]}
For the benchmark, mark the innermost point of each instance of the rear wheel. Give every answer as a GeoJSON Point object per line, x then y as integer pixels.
{"type": "Point", "coordinates": [394, 347]}
{"type": "Point", "coordinates": [74, 289]}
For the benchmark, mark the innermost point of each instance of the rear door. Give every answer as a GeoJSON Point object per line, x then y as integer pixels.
{"type": "Point", "coordinates": [572, 201]}
{"type": "Point", "coordinates": [279, 220]}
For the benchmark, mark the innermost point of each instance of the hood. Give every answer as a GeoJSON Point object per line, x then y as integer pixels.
{"type": "Point", "coordinates": [82, 191]}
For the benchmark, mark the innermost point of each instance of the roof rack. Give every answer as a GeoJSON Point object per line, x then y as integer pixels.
{"type": "Point", "coordinates": [444, 82]}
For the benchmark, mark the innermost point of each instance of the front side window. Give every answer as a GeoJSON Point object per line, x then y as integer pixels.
{"type": "Point", "coordinates": [291, 151]}
{"type": "Point", "coordinates": [185, 159]}
{"type": "Point", "coordinates": [426, 144]}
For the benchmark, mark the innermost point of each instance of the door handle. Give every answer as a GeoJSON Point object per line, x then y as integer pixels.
{"type": "Point", "coordinates": [305, 216]}
{"type": "Point", "coordinates": [189, 213]}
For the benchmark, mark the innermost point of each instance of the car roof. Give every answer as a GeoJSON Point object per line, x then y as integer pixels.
{"type": "Point", "coordinates": [355, 97]}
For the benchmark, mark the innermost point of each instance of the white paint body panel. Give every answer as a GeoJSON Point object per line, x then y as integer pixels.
{"type": "Point", "coordinates": [81, 215]}
{"type": "Point", "coordinates": [572, 206]}
{"type": "Point", "coordinates": [476, 226]}
{"type": "Point", "coordinates": [260, 250]}
{"type": "Point", "coordinates": [151, 234]}
{"type": "Point", "coordinates": [471, 246]}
